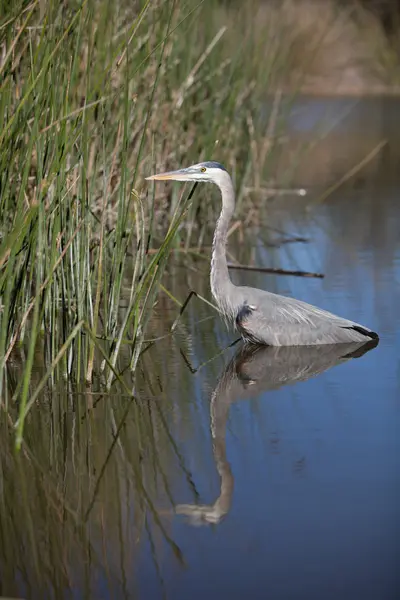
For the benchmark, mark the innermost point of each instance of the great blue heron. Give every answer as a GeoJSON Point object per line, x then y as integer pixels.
{"type": "Point", "coordinates": [262, 317]}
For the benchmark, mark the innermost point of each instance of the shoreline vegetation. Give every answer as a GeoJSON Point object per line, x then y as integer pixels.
{"type": "Point", "coordinates": [94, 96]}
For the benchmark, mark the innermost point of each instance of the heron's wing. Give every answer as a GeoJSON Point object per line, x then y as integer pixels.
{"type": "Point", "coordinates": [283, 309]}
{"type": "Point", "coordinates": [278, 320]}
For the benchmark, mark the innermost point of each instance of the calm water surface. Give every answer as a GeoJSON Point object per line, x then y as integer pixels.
{"type": "Point", "coordinates": [274, 474]}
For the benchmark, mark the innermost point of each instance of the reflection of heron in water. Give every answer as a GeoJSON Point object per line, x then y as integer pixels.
{"type": "Point", "coordinates": [256, 369]}
{"type": "Point", "coordinates": [262, 317]}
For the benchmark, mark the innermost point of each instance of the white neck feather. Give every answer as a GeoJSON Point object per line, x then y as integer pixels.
{"type": "Point", "coordinates": [221, 284]}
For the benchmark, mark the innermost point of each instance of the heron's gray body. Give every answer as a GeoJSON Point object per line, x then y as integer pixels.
{"type": "Point", "coordinates": [275, 320]}
{"type": "Point", "coordinates": [263, 317]}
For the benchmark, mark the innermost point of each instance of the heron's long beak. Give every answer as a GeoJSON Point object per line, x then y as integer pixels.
{"type": "Point", "coordinates": [180, 175]}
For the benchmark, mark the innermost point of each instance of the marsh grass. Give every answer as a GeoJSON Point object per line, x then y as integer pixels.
{"type": "Point", "coordinates": [93, 97]}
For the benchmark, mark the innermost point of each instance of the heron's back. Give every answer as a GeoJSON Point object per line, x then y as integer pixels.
{"type": "Point", "coordinates": [264, 317]}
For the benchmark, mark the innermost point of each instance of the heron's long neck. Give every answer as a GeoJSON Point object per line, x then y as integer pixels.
{"type": "Point", "coordinates": [220, 281]}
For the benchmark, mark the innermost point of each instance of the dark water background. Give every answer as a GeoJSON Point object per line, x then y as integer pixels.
{"type": "Point", "coordinates": [284, 489]}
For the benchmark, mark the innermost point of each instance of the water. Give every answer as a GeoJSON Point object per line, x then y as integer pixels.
{"type": "Point", "coordinates": [275, 474]}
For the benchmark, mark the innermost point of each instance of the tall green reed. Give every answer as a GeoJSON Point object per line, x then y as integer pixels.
{"type": "Point", "coordinates": [94, 95]}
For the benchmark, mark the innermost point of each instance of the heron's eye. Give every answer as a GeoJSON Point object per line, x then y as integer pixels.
{"type": "Point", "coordinates": [203, 169]}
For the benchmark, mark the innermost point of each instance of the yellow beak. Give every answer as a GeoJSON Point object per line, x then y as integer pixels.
{"type": "Point", "coordinates": [180, 175]}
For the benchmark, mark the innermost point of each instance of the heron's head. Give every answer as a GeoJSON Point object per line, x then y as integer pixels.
{"type": "Point", "coordinates": [206, 171]}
